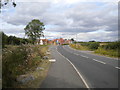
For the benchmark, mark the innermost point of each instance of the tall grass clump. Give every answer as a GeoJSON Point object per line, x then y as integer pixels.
{"type": "Point", "coordinates": [111, 49]}
{"type": "Point", "coordinates": [79, 47]}
{"type": "Point", "coordinates": [18, 60]}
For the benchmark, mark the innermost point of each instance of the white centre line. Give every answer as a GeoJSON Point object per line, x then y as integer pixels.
{"type": "Point", "coordinates": [76, 54]}
{"type": "Point", "coordinates": [117, 67]}
{"type": "Point", "coordinates": [99, 61]}
{"type": "Point", "coordinates": [84, 56]}
{"type": "Point", "coordinates": [75, 70]}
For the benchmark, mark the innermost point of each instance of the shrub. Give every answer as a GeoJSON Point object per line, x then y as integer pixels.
{"type": "Point", "coordinates": [91, 45]}
{"type": "Point", "coordinates": [18, 60]}
{"type": "Point", "coordinates": [112, 45]}
{"type": "Point", "coordinates": [79, 47]}
{"type": "Point", "coordinates": [112, 53]}
{"type": "Point", "coordinates": [65, 44]}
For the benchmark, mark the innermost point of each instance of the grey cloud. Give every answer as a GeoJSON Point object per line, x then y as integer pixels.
{"type": "Point", "coordinates": [26, 12]}
{"type": "Point", "coordinates": [13, 31]}
{"type": "Point", "coordinates": [18, 19]}
{"type": "Point", "coordinates": [92, 18]}
{"type": "Point", "coordinates": [78, 18]}
{"type": "Point", "coordinates": [33, 9]}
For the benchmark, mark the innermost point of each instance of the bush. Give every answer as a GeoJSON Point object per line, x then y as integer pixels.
{"type": "Point", "coordinates": [18, 60]}
{"type": "Point", "coordinates": [91, 45]}
{"type": "Point", "coordinates": [112, 45]}
{"type": "Point", "coordinates": [94, 45]}
{"type": "Point", "coordinates": [12, 40]}
{"type": "Point", "coordinates": [112, 53]}
{"type": "Point", "coordinates": [79, 47]}
{"type": "Point", "coordinates": [65, 44]}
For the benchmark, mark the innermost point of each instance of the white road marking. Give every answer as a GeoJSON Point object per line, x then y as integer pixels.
{"type": "Point", "coordinates": [76, 70]}
{"type": "Point", "coordinates": [65, 48]}
{"type": "Point", "coordinates": [56, 48]}
{"type": "Point", "coordinates": [52, 60]}
{"type": "Point", "coordinates": [117, 67]}
{"type": "Point", "coordinates": [99, 61]}
{"type": "Point", "coordinates": [76, 54]}
{"type": "Point", "coordinates": [69, 51]}
{"type": "Point", "coordinates": [84, 56]}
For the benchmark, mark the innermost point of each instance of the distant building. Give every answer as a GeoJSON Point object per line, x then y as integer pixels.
{"type": "Point", "coordinates": [42, 41]}
{"type": "Point", "coordinates": [59, 41]}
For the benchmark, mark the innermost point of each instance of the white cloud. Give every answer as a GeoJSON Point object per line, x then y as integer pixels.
{"type": "Point", "coordinates": [69, 1]}
{"type": "Point", "coordinates": [62, 19]}
{"type": "Point", "coordinates": [97, 36]}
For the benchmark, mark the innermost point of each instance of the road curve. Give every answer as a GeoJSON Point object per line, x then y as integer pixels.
{"type": "Point", "coordinates": [98, 71]}
{"type": "Point", "coordinates": [61, 73]}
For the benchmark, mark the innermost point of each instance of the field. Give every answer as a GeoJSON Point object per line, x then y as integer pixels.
{"type": "Point", "coordinates": [109, 49]}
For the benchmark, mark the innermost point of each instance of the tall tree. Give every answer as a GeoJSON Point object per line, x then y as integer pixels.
{"type": "Point", "coordinates": [34, 29]}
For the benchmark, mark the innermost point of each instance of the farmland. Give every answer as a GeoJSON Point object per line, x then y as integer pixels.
{"type": "Point", "coordinates": [109, 49]}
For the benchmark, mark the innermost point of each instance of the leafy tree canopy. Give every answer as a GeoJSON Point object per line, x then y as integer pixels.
{"type": "Point", "coordinates": [34, 29]}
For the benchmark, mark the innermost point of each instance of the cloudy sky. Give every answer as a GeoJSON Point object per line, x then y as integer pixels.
{"type": "Point", "coordinates": [78, 19]}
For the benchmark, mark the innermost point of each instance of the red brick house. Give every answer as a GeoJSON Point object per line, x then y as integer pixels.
{"type": "Point", "coordinates": [43, 41]}
{"type": "Point", "coordinates": [59, 41]}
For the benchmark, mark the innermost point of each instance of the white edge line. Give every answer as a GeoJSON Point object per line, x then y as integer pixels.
{"type": "Point", "coordinates": [76, 54]}
{"type": "Point", "coordinates": [117, 67]}
{"type": "Point", "coordinates": [69, 51]}
{"type": "Point", "coordinates": [99, 61]}
{"type": "Point", "coordinates": [75, 70]}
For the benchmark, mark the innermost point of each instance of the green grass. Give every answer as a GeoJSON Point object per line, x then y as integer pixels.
{"type": "Point", "coordinates": [18, 60]}
{"type": "Point", "coordinates": [65, 44]}
{"type": "Point", "coordinates": [79, 47]}
{"type": "Point", "coordinates": [110, 53]}
{"type": "Point", "coordinates": [100, 50]}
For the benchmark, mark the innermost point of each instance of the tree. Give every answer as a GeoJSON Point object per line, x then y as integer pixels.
{"type": "Point", "coordinates": [34, 29]}
{"type": "Point", "coordinates": [4, 39]}
{"type": "Point", "coordinates": [92, 41]}
{"type": "Point", "coordinates": [72, 39]}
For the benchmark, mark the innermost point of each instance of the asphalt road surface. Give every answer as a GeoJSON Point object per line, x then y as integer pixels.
{"type": "Point", "coordinates": [81, 69]}
{"type": "Point", "coordinates": [61, 73]}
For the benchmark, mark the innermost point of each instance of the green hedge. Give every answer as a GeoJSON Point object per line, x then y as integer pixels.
{"type": "Point", "coordinates": [91, 45]}
{"type": "Point", "coordinates": [112, 45]}
{"type": "Point", "coordinates": [12, 40]}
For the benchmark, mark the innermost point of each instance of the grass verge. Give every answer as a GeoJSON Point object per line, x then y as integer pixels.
{"type": "Point", "coordinates": [99, 51]}
{"type": "Point", "coordinates": [21, 60]}
{"type": "Point", "coordinates": [39, 76]}
{"type": "Point", "coordinates": [79, 47]}
{"type": "Point", "coordinates": [109, 53]}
